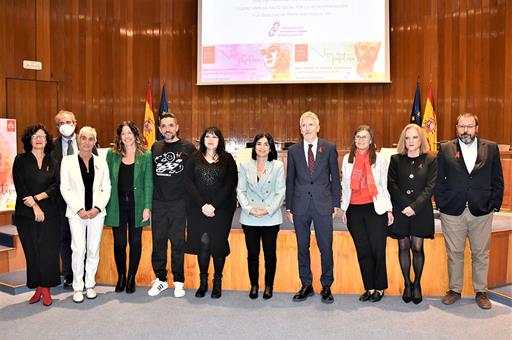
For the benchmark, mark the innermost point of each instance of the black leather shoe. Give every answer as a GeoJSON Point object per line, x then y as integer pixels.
{"type": "Point", "coordinates": [304, 293]}
{"type": "Point", "coordinates": [121, 283]}
{"type": "Point", "coordinates": [267, 293]}
{"type": "Point", "coordinates": [130, 284]}
{"type": "Point", "coordinates": [68, 282]}
{"type": "Point", "coordinates": [376, 296]}
{"type": "Point", "coordinates": [407, 294]}
{"type": "Point", "coordinates": [327, 295]}
{"type": "Point", "coordinates": [416, 293]}
{"type": "Point", "coordinates": [253, 294]}
{"type": "Point", "coordinates": [365, 296]}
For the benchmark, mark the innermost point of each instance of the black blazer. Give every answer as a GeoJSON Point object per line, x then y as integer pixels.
{"type": "Point", "coordinates": [482, 189]}
{"type": "Point", "coordinates": [411, 182]}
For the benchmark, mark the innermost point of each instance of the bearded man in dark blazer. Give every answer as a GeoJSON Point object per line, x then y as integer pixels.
{"type": "Point", "coordinates": [313, 195]}
{"type": "Point", "coordinates": [469, 190]}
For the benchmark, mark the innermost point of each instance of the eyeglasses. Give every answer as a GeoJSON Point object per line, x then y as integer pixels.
{"type": "Point", "coordinates": [464, 127]}
{"type": "Point", "coordinates": [362, 137]}
{"type": "Point", "coordinates": [39, 136]}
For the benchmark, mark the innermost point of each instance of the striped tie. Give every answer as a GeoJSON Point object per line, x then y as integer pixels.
{"type": "Point", "coordinates": [311, 160]}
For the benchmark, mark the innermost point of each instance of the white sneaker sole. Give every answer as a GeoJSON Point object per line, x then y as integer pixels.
{"type": "Point", "coordinates": [179, 293]}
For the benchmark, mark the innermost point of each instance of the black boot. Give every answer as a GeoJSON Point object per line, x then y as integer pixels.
{"type": "Point", "coordinates": [130, 284]}
{"type": "Point", "coordinates": [203, 285]}
{"type": "Point", "coordinates": [217, 286]}
{"type": "Point", "coordinates": [121, 283]}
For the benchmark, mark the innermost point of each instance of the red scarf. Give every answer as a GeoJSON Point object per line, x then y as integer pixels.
{"type": "Point", "coordinates": [362, 177]}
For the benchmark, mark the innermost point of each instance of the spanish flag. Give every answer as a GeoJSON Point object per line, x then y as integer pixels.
{"type": "Point", "coordinates": [149, 121]}
{"type": "Point", "coordinates": [429, 122]}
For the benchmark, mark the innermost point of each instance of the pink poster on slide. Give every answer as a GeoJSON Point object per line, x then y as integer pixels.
{"type": "Point", "coordinates": [7, 155]}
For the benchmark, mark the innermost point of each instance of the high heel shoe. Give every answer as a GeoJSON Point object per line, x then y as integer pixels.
{"type": "Point", "coordinates": [47, 297]}
{"type": "Point", "coordinates": [121, 283]}
{"type": "Point", "coordinates": [130, 284]}
{"type": "Point", "coordinates": [416, 295]}
{"type": "Point", "coordinates": [253, 294]}
{"type": "Point", "coordinates": [267, 293]}
{"type": "Point", "coordinates": [37, 296]}
{"type": "Point", "coordinates": [407, 294]}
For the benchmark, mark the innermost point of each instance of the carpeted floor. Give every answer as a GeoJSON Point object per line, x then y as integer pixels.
{"type": "Point", "coordinates": [235, 316]}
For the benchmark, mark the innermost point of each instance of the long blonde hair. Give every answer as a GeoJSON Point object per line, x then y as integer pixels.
{"type": "Point", "coordinates": [402, 149]}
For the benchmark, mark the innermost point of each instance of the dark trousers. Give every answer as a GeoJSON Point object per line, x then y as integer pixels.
{"type": "Point", "coordinates": [369, 232]}
{"type": "Point", "coordinates": [267, 236]}
{"type": "Point", "coordinates": [127, 218]}
{"type": "Point", "coordinates": [323, 232]}
{"type": "Point", "coordinates": [40, 246]}
{"type": "Point", "coordinates": [65, 241]}
{"type": "Point", "coordinates": [168, 223]}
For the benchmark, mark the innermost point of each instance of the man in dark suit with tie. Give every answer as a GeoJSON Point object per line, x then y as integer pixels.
{"type": "Point", "coordinates": [469, 189]}
{"type": "Point", "coordinates": [313, 195]}
{"type": "Point", "coordinates": [65, 145]}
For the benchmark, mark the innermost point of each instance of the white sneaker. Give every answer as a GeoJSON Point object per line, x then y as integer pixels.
{"type": "Point", "coordinates": [78, 297]}
{"type": "Point", "coordinates": [157, 287]}
{"type": "Point", "coordinates": [90, 293]}
{"type": "Point", "coordinates": [178, 290]}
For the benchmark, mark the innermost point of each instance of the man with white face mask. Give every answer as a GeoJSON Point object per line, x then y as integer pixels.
{"type": "Point", "coordinates": [65, 145]}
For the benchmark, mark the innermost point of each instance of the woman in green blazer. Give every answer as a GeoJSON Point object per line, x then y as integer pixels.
{"type": "Point", "coordinates": [131, 175]}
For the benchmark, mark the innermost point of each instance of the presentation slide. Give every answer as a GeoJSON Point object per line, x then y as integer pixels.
{"type": "Point", "coordinates": [293, 41]}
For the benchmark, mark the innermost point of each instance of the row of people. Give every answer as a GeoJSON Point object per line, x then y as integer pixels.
{"type": "Point", "coordinates": [173, 186]}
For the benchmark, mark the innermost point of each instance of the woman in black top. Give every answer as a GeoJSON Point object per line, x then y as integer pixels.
{"type": "Point", "coordinates": [411, 180]}
{"type": "Point", "coordinates": [210, 180]}
{"type": "Point", "coordinates": [36, 178]}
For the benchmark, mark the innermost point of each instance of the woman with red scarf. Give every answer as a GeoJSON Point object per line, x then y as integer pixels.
{"type": "Point", "coordinates": [366, 210]}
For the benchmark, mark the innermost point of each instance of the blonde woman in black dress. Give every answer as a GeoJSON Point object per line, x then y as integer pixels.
{"type": "Point", "coordinates": [412, 176]}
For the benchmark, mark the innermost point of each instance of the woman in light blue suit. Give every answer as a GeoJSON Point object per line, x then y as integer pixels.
{"type": "Point", "coordinates": [260, 192]}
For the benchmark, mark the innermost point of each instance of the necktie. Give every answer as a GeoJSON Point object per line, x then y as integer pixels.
{"type": "Point", "coordinates": [311, 160]}
{"type": "Point", "coordinates": [70, 148]}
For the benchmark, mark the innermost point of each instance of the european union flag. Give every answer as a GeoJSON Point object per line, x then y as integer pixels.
{"type": "Point", "coordinates": [163, 109]}
{"type": "Point", "coordinates": [416, 108]}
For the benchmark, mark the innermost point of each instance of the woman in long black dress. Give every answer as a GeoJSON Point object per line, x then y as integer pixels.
{"type": "Point", "coordinates": [36, 178]}
{"type": "Point", "coordinates": [412, 176]}
{"type": "Point", "coordinates": [211, 178]}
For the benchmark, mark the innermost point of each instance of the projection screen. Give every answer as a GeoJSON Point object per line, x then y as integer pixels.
{"type": "Point", "coordinates": [293, 41]}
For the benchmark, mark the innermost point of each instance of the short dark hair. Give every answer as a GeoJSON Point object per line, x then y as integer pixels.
{"type": "Point", "coordinates": [26, 139]}
{"type": "Point", "coordinates": [273, 152]}
{"type": "Point", "coordinates": [167, 115]}
{"type": "Point", "coordinates": [470, 115]}
{"type": "Point", "coordinates": [221, 147]}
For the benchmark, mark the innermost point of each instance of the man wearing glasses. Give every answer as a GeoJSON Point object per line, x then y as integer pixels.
{"type": "Point", "coordinates": [469, 189]}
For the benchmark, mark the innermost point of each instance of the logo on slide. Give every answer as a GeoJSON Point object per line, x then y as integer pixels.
{"type": "Point", "coordinates": [273, 29]}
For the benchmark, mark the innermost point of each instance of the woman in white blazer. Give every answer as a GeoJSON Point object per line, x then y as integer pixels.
{"type": "Point", "coordinates": [260, 192]}
{"type": "Point", "coordinates": [85, 186]}
{"type": "Point", "coordinates": [366, 210]}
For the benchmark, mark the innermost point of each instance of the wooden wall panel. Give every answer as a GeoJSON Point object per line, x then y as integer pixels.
{"type": "Point", "coordinates": [103, 53]}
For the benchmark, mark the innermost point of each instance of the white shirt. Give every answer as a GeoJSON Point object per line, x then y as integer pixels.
{"type": "Point", "coordinates": [469, 153]}
{"type": "Point", "coordinates": [306, 148]}
{"type": "Point", "coordinates": [65, 145]}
